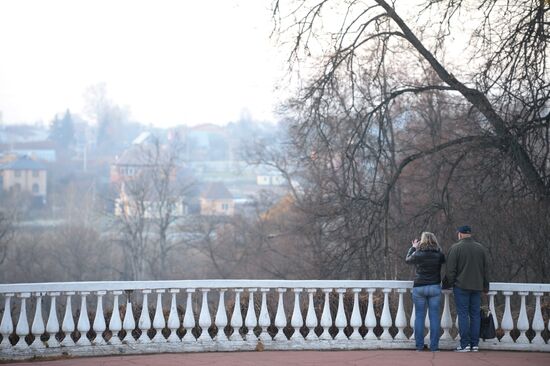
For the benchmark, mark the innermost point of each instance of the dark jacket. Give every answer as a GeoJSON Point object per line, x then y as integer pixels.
{"type": "Point", "coordinates": [428, 265]}
{"type": "Point", "coordinates": [468, 266]}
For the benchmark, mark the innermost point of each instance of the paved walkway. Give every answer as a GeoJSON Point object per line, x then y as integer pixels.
{"type": "Point", "coordinates": [313, 358]}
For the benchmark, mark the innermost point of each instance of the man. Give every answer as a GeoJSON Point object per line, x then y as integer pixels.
{"type": "Point", "coordinates": [467, 272]}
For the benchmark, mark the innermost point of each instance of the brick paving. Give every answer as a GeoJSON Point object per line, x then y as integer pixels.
{"type": "Point", "coordinates": [290, 358]}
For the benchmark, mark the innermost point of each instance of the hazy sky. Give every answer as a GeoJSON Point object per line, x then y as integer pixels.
{"type": "Point", "coordinates": [169, 61]}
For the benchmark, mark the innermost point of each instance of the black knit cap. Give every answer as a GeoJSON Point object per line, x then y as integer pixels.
{"type": "Point", "coordinates": [464, 229]}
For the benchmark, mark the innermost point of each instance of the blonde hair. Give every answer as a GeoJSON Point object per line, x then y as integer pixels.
{"type": "Point", "coordinates": [428, 241]}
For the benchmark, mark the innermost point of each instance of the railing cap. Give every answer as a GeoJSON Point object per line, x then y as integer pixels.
{"type": "Point", "coordinates": [160, 286]}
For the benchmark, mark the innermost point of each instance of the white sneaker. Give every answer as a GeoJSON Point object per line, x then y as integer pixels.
{"type": "Point", "coordinates": [460, 349]}
{"type": "Point", "coordinates": [475, 349]}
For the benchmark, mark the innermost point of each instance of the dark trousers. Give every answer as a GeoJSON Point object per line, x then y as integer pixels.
{"type": "Point", "coordinates": [468, 304]}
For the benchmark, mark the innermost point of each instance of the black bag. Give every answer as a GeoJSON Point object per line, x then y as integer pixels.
{"type": "Point", "coordinates": [487, 326]}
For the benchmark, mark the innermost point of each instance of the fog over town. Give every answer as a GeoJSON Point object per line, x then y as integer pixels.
{"type": "Point", "coordinates": [145, 140]}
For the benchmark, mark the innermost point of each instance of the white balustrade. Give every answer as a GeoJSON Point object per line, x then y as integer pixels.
{"type": "Point", "coordinates": [412, 320]}
{"type": "Point", "coordinates": [355, 320]}
{"type": "Point", "coordinates": [22, 328]}
{"type": "Point", "coordinates": [370, 318]}
{"type": "Point", "coordinates": [129, 323]}
{"type": "Point", "coordinates": [68, 321]}
{"type": "Point", "coordinates": [297, 321]}
{"type": "Point", "coordinates": [491, 295]}
{"type": "Point", "coordinates": [144, 323]}
{"type": "Point", "coordinates": [523, 322]}
{"type": "Point", "coordinates": [263, 320]}
{"type": "Point", "coordinates": [507, 323]}
{"type": "Point", "coordinates": [326, 317]}
{"type": "Point", "coordinates": [83, 325]}
{"type": "Point", "coordinates": [189, 318]}
{"type": "Point", "coordinates": [340, 322]}
{"type": "Point", "coordinates": [538, 321]}
{"type": "Point", "coordinates": [385, 320]}
{"type": "Point", "coordinates": [311, 318]}
{"type": "Point", "coordinates": [237, 317]}
{"type": "Point", "coordinates": [99, 325]}
{"type": "Point", "coordinates": [250, 321]}
{"type": "Point", "coordinates": [52, 326]}
{"type": "Point", "coordinates": [400, 318]}
{"type": "Point", "coordinates": [115, 323]}
{"type": "Point", "coordinates": [524, 296]}
{"type": "Point", "coordinates": [280, 317]}
{"type": "Point", "coordinates": [6, 327]}
{"type": "Point", "coordinates": [38, 327]}
{"type": "Point", "coordinates": [173, 318]}
{"type": "Point", "coordinates": [221, 318]}
{"type": "Point", "coordinates": [204, 318]}
{"type": "Point", "coordinates": [446, 319]}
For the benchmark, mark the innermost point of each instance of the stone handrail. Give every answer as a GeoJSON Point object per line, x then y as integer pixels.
{"type": "Point", "coordinates": [260, 322]}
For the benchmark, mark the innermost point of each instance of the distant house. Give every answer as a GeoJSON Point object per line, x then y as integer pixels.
{"type": "Point", "coordinates": [270, 180]}
{"type": "Point", "coordinates": [151, 207]}
{"type": "Point", "coordinates": [147, 182]}
{"type": "Point", "coordinates": [39, 150]}
{"type": "Point", "coordinates": [25, 175]}
{"type": "Point", "coordinates": [138, 159]}
{"type": "Point", "coordinates": [216, 200]}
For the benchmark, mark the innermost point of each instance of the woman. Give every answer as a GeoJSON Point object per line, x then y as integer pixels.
{"type": "Point", "coordinates": [427, 257]}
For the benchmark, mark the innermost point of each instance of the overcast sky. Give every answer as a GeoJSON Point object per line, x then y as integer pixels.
{"type": "Point", "coordinates": [170, 61]}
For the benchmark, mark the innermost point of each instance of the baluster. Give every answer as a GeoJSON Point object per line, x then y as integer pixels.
{"type": "Point", "coordinates": [492, 307]}
{"type": "Point", "coordinates": [204, 318]}
{"type": "Point", "coordinates": [507, 323]}
{"type": "Point", "coordinates": [400, 318]}
{"type": "Point", "coordinates": [523, 322]}
{"type": "Point", "coordinates": [83, 325]}
{"type": "Point", "coordinates": [236, 317]}
{"type": "Point", "coordinates": [311, 317]}
{"type": "Point", "coordinates": [52, 326]}
{"type": "Point", "coordinates": [189, 317]}
{"type": "Point", "coordinates": [22, 328]}
{"type": "Point", "coordinates": [340, 322]}
{"type": "Point", "coordinates": [355, 320]}
{"type": "Point", "coordinates": [538, 321]}
{"type": "Point", "coordinates": [370, 318]}
{"type": "Point", "coordinates": [144, 322]}
{"type": "Point", "coordinates": [457, 338]}
{"type": "Point", "coordinates": [251, 321]}
{"type": "Point", "coordinates": [412, 319]}
{"type": "Point", "coordinates": [297, 321]}
{"type": "Point", "coordinates": [129, 323]}
{"type": "Point", "coordinates": [385, 320]}
{"type": "Point", "coordinates": [326, 318]}
{"type": "Point", "coordinates": [99, 325]}
{"type": "Point", "coordinates": [115, 323]}
{"type": "Point", "coordinates": [38, 328]}
{"type": "Point", "coordinates": [173, 318]}
{"type": "Point", "coordinates": [264, 321]}
{"type": "Point", "coordinates": [280, 317]}
{"type": "Point", "coordinates": [6, 327]}
{"type": "Point", "coordinates": [446, 319]}
{"type": "Point", "coordinates": [221, 318]}
{"type": "Point", "coordinates": [68, 322]}
{"type": "Point", "coordinates": [158, 321]}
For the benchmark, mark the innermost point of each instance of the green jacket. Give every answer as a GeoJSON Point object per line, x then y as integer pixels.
{"type": "Point", "coordinates": [467, 266]}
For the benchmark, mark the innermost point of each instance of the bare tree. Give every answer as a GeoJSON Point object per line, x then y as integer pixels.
{"type": "Point", "coordinates": [379, 72]}
{"type": "Point", "coordinates": [150, 202]}
{"type": "Point", "coordinates": [6, 235]}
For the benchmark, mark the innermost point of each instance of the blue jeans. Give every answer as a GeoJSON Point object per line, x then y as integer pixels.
{"type": "Point", "coordinates": [430, 295]}
{"type": "Point", "coordinates": [468, 304]}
